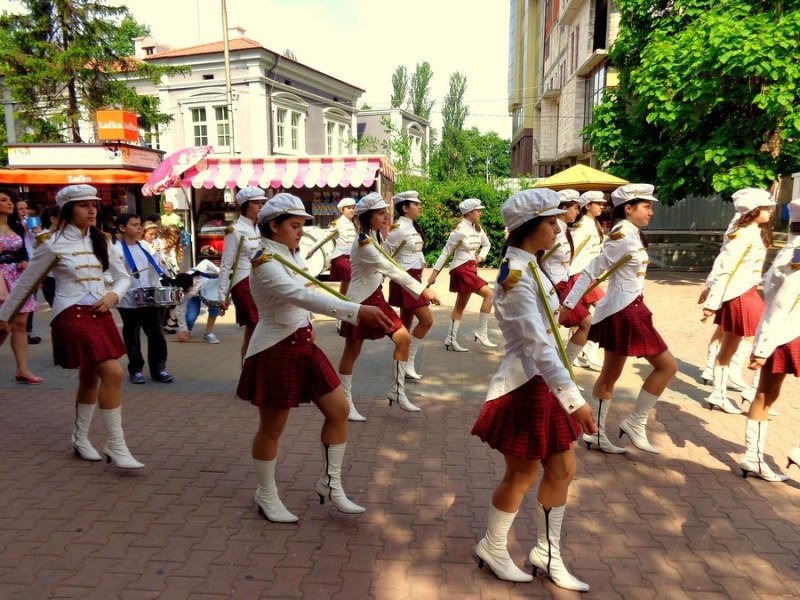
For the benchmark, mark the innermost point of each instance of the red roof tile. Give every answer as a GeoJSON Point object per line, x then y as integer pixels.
{"type": "Point", "coordinates": [213, 48]}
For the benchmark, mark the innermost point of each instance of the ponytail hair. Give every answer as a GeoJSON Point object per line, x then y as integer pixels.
{"type": "Point", "coordinates": [766, 228]}
{"type": "Point", "coordinates": [98, 238]}
{"type": "Point", "coordinates": [401, 213]}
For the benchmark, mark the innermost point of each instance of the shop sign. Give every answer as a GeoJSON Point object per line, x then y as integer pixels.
{"type": "Point", "coordinates": [117, 126]}
{"type": "Point", "coordinates": [83, 156]}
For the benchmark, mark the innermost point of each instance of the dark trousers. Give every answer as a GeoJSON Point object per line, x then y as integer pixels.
{"type": "Point", "coordinates": [147, 319]}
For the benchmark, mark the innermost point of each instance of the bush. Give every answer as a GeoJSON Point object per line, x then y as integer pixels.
{"type": "Point", "coordinates": [440, 212]}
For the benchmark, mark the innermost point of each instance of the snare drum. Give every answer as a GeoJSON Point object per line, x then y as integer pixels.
{"type": "Point", "coordinates": [320, 261]}
{"type": "Point", "coordinates": [157, 296]}
{"type": "Point", "coordinates": [209, 293]}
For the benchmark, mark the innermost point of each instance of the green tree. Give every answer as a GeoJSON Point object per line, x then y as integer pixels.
{"type": "Point", "coordinates": [452, 157]}
{"type": "Point", "coordinates": [440, 210]}
{"type": "Point", "coordinates": [486, 155]}
{"type": "Point", "coordinates": [399, 86]}
{"type": "Point", "coordinates": [419, 101]}
{"type": "Point", "coordinates": [708, 98]}
{"type": "Point", "coordinates": [62, 60]}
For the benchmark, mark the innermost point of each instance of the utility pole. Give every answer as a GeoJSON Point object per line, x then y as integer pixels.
{"type": "Point", "coordinates": [228, 93]}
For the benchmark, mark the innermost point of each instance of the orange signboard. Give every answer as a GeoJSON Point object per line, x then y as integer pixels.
{"type": "Point", "coordinates": [117, 126]}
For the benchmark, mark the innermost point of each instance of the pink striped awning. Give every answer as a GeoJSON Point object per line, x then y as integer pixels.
{"type": "Point", "coordinates": [289, 172]}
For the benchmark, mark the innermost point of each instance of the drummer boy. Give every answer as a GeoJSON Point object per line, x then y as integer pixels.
{"type": "Point", "coordinates": [142, 264]}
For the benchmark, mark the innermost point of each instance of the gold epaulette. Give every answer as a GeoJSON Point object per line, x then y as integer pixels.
{"type": "Point", "coordinates": [617, 233]}
{"type": "Point", "coordinates": [42, 238]}
{"type": "Point", "coordinates": [260, 258]}
{"type": "Point", "coordinates": [796, 259]}
{"type": "Point", "coordinates": [732, 235]}
{"type": "Point", "coordinates": [109, 236]}
{"type": "Point", "coordinates": [394, 226]}
{"type": "Point", "coordinates": [363, 239]}
{"type": "Point", "coordinates": [229, 229]}
{"type": "Point", "coordinates": [508, 278]}
{"type": "Point", "coordinates": [578, 224]}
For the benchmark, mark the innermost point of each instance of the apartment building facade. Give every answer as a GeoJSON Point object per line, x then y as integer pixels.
{"type": "Point", "coordinates": [558, 71]}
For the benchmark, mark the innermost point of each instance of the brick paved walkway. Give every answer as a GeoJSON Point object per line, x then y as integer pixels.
{"type": "Point", "coordinates": [680, 525]}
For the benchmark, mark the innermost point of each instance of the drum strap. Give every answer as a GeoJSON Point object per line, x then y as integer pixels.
{"type": "Point", "coordinates": [132, 264]}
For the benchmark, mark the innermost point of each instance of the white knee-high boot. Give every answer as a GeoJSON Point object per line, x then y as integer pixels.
{"type": "Point", "coordinates": [451, 342]}
{"type": "Point", "coordinates": [546, 554]}
{"type": "Point", "coordinates": [739, 362]}
{"type": "Point", "coordinates": [755, 437]}
{"type": "Point", "coordinates": [347, 386]}
{"type": "Point", "coordinates": [269, 504]}
{"type": "Point", "coordinates": [397, 390]}
{"type": "Point", "coordinates": [116, 450]}
{"type": "Point", "coordinates": [719, 397]}
{"type": "Point", "coordinates": [80, 435]}
{"type": "Point", "coordinates": [482, 332]}
{"type": "Point", "coordinates": [411, 372]}
{"type": "Point", "coordinates": [493, 548]}
{"type": "Point", "coordinates": [711, 358]}
{"type": "Point", "coordinates": [635, 426]}
{"type": "Point", "coordinates": [573, 350]}
{"type": "Point", "coordinates": [330, 484]}
{"type": "Point", "coordinates": [589, 357]}
{"type": "Point", "coordinates": [600, 409]}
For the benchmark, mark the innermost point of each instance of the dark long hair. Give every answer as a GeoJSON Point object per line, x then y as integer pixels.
{"type": "Point", "coordinates": [99, 241]}
{"type": "Point", "coordinates": [518, 235]}
{"type": "Point", "coordinates": [794, 227]}
{"type": "Point", "coordinates": [766, 228]}
{"type": "Point", "coordinates": [14, 222]}
{"type": "Point", "coordinates": [618, 214]}
{"type": "Point", "coordinates": [401, 213]}
{"type": "Point", "coordinates": [363, 223]}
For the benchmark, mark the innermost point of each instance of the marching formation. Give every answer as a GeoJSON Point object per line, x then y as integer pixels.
{"type": "Point", "coordinates": [555, 258]}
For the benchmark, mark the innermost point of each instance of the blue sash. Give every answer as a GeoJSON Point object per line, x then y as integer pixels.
{"type": "Point", "coordinates": [132, 264]}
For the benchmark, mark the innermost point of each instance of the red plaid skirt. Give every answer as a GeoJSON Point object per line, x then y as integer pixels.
{"type": "Point", "coordinates": [464, 278]}
{"type": "Point", "coordinates": [577, 314]}
{"type": "Point", "coordinates": [364, 332]}
{"type": "Point", "coordinates": [82, 337]}
{"type": "Point", "coordinates": [527, 423]}
{"type": "Point", "coordinates": [629, 332]}
{"type": "Point", "coordinates": [293, 371]}
{"type": "Point", "coordinates": [340, 269]}
{"type": "Point", "coordinates": [399, 297]}
{"type": "Point", "coordinates": [785, 359]}
{"type": "Point", "coordinates": [246, 310]}
{"type": "Point", "coordinates": [740, 316]}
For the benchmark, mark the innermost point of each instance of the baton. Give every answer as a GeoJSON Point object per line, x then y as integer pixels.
{"type": "Point", "coordinates": [321, 243]}
{"type": "Point", "coordinates": [614, 268]}
{"type": "Point", "coordinates": [311, 278]}
{"type": "Point", "coordinates": [562, 352]}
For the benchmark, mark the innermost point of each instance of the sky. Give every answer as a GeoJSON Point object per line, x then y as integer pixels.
{"type": "Point", "coordinates": [362, 42]}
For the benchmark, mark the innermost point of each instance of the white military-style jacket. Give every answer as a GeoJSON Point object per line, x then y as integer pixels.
{"type": "Point", "coordinates": [370, 264]}
{"type": "Point", "coordinates": [404, 244]}
{"type": "Point", "coordinates": [473, 243]}
{"type": "Point", "coordinates": [626, 283]}
{"type": "Point", "coordinates": [148, 276]}
{"type": "Point", "coordinates": [244, 231]}
{"type": "Point", "coordinates": [738, 267]}
{"type": "Point", "coordinates": [530, 344]}
{"type": "Point", "coordinates": [78, 273]}
{"type": "Point", "coordinates": [343, 242]}
{"type": "Point", "coordinates": [556, 259]}
{"type": "Point", "coordinates": [780, 323]}
{"type": "Point", "coordinates": [284, 301]}
{"type": "Point", "coordinates": [588, 244]}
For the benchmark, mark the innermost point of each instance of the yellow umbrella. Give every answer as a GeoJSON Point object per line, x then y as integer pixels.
{"type": "Point", "coordinates": [581, 178]}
